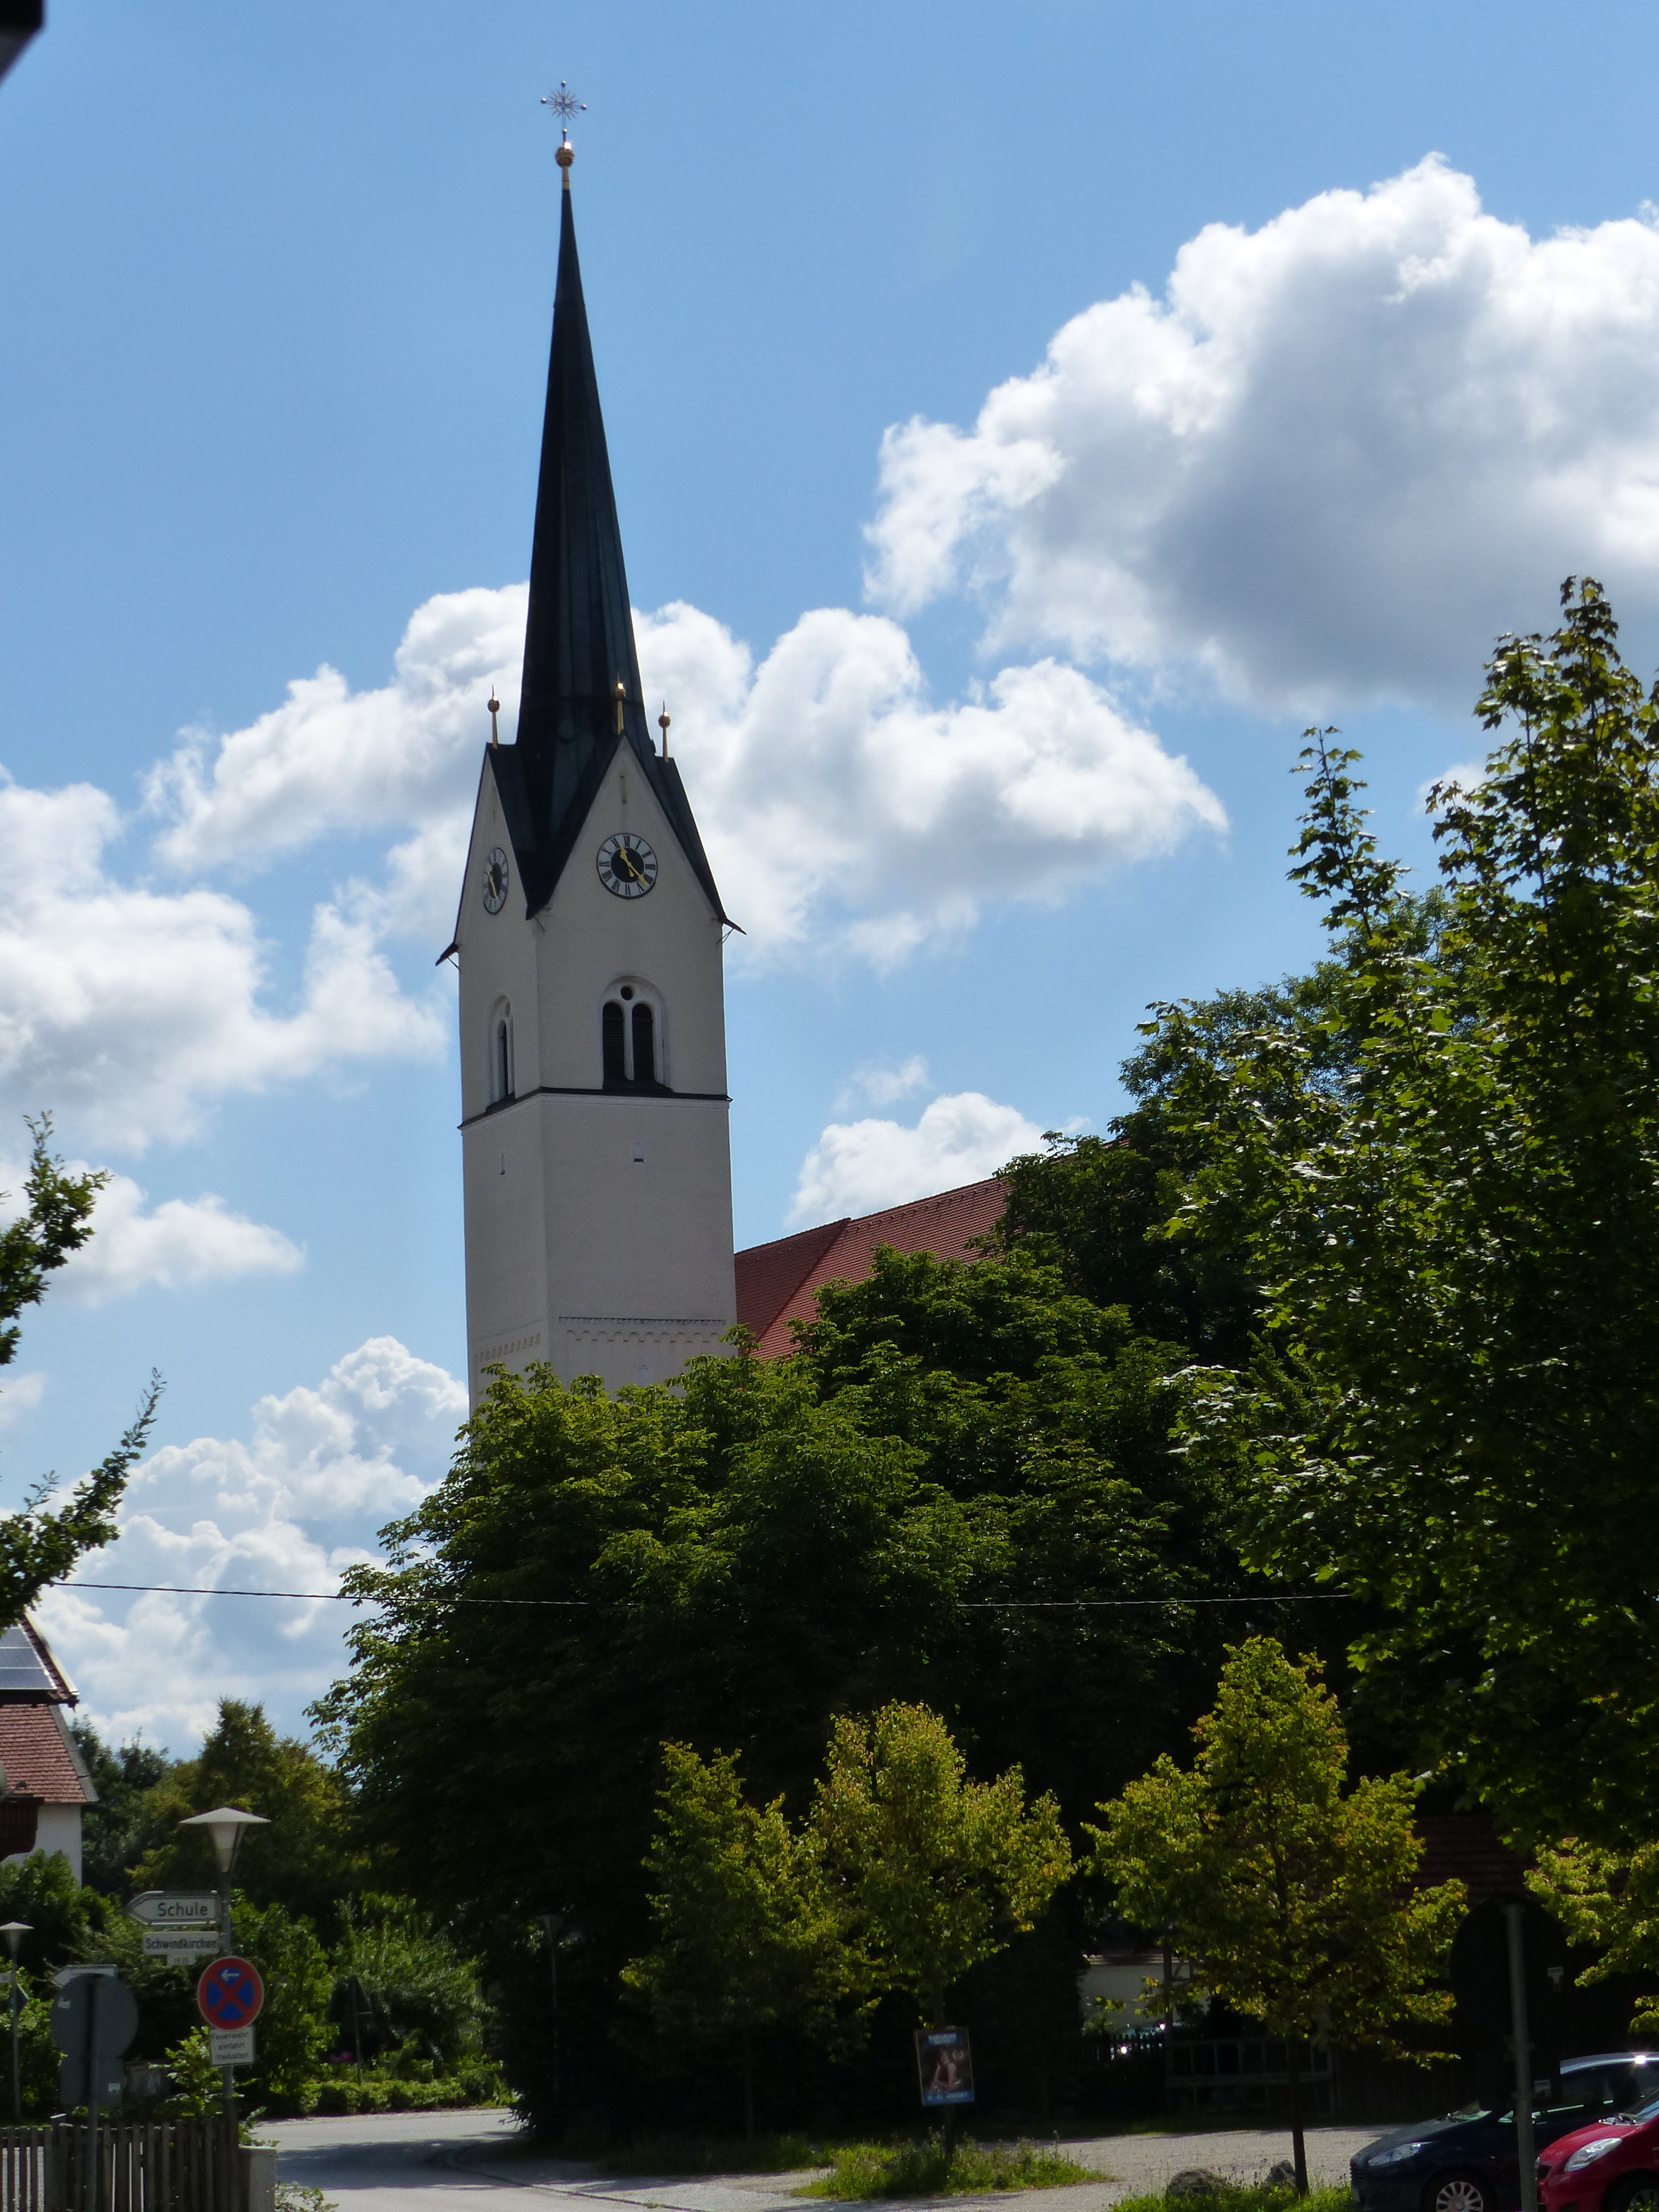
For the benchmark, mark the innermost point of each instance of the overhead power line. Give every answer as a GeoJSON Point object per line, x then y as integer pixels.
{"type": "Point", "coordinates": [582, 1604]}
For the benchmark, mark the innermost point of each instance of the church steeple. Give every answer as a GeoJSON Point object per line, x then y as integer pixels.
{"type": "Point", "coordinates": [589, 939]}
{"type": "Point", "coordinates": [580, 695]}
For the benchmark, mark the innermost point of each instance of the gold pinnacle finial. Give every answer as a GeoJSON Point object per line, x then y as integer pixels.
{"type": "Point", "coordinates": [564, 104]}
{"type": "Point", "coordinates": [495, 709]}
{"type": "Point", "coordinates": [619, 694]}
{"type": "Point", "coordinates": [662, 724]}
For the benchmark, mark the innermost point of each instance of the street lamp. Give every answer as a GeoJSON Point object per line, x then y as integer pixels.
{"type": "Point", "coordinates": [226, 1825]}
{"type": "Point", "coordinates": [15, 1931]}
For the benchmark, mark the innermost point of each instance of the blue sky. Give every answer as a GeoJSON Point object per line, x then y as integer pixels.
{"type": "Point", "coordinates": [988, 724]}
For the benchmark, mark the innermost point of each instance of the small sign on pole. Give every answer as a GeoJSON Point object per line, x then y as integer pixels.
{"type": "Point", "coordinates": [945, 2066]}
{"type": "Point", "coordinates": [180, 1942]}
{"type": "Point", "coordinates": [231, 2046]}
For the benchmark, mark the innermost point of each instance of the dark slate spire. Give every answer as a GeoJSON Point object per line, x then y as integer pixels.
{"type": "Point", "coordinates": [579, 640]}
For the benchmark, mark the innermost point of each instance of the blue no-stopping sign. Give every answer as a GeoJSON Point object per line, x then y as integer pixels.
{"type": "Point", "coordinates": [230, 1993]}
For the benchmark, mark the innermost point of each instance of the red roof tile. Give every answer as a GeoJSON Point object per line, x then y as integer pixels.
{"type": "Point", "coordinates": [39, 1756]}
{"type": "Point", "coordinates": [778, 1283]}
{"type": "Point", "coordinates": [1465, 1847]}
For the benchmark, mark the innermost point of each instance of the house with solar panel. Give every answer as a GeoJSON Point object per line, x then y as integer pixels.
{"type": "Point", "coordinates": [44, 1787]}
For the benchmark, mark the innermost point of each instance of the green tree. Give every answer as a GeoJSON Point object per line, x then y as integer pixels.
{"type": "Point", "coordinates": [1441, 1177]}
{"type": "Point", "coordinates": [306, 1860]}
{"type": "Point", "coordinates": [936, 1871]}
{"type": "Point", "coordinates": [39, 1547]}
{"type": "Point", "coordinates": [747, 1935]}
{"type": "Point", "coordinates": [1608, 1901]}
{"type": "Point", "coordinates": [117, 1830]}
{"type": "Point", "coordinates": [293, 2030]}
{"type": "Point", "coordinates": [1290, 1899]}
{"type": "Point", "coordinates": [909, 1509]}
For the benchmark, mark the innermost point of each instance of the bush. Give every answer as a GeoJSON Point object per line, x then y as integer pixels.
{"type": "Point", "coordinates": [380, 2093]}
{"type": "Point", "coordinates": [928, 2168]}
{"type": "Point", "coordinates": [1248, 2196]}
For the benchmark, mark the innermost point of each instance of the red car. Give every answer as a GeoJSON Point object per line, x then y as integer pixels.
{"type": "Point", "coordinates": [1612, 2166]}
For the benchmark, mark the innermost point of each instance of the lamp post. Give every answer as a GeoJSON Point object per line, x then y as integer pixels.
{"type": "Point", "coordinates": [15, 1931]}
{"type": "Point", "coordinates": [1523, 2141]}
{"type": "Point", "coordinates": [226, 1825]}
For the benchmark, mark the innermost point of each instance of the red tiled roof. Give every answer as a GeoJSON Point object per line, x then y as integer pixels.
{"type": "Point", "coordinates": [778, 1283]}
{"type": "Point", "coordinates": [1465, 1847]}
{"type": "Point", "coordinates": [39, 1757]}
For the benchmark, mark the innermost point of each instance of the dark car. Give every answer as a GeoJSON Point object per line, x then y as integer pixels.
{"type": "Point", "coordinates": [1467, 2161]}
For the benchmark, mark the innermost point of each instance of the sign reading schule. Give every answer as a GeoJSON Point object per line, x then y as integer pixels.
{"type": "Point", "coordinates": [175, 1908]}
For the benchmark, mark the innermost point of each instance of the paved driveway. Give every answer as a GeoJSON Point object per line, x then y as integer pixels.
{"type": "Point", "coordinates": [451, 2161]}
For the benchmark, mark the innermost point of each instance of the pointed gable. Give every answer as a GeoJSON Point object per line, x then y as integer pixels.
{"type": "Point", "coordinates": [579, 637]}
{"type": "Point", "coordinates": [29, 1672]}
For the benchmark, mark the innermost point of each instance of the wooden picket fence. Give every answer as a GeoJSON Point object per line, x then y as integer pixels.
{"type": "Point", "coordinates": [143, 2166]}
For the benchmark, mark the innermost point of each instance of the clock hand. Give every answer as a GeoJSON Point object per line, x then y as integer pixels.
{"type": "Point", "coordinates": [633, 867]}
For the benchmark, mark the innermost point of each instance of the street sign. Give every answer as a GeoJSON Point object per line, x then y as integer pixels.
{"type": "Point", "coordinates": [96, 2012]}
{"type": "Point", "coordinates": [230, 1993]}
{"type": "Point", "coordinates": [72, 2086]}
{"type": "Point", "coordinates": [180, 1942]}
{"type": "Point", "coordinates": [94, 2018]}
{"type": "Point", "coordinates": [175, 1908]}
{"type": "Point", "coordinates": [231, 2046]}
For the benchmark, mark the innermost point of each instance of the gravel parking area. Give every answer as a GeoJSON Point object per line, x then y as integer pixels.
{"type": "Point", "coordinates": [447, 2161]}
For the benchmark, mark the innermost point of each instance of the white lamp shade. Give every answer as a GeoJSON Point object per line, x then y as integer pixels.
{"type": "Point", "coordinates": [226, 1825]}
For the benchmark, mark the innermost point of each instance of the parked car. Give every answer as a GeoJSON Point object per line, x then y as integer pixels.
{"type": "Point", "coordinates": [1612, 2165]}
{"type": "Point", "coordinates": [1467, 2161]}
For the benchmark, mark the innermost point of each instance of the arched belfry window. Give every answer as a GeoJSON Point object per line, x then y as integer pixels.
{"type": "Point", "coordinates": [501, 1055]}
{"type": "Point", "coordinates": [631, 1038]}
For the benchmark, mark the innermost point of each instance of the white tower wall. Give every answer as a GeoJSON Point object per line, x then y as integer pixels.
{"type": "Point", "coordinates": [599, 1223]}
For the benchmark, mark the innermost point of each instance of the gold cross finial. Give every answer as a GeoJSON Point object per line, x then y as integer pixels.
{"type": "Point", "coordinates": [564, 104]}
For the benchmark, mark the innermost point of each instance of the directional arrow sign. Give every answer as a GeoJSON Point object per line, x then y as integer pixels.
{"type": "Point", "coordinates": [175, 1908]}
{"type": "Point", "coordinates": [230, 1993]}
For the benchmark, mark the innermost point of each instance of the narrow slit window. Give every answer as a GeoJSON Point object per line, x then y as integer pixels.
{"type": "Point", "coordinates": [614, 1040]}
{"type": "Point", "coordinates": [645, 1044]}
{"type": "Point", "coordinates": [501, 1058]}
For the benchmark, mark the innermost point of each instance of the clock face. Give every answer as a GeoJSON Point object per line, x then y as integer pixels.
{"type": "Point", "coordinates": [626, 865]}
{"type": "Point", "coordinates": [495, 881]}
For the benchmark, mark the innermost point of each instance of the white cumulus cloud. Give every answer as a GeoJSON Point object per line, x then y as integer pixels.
{"type": "Point", "coordinates": [175, 1245]}
{"type": "Point", "coordinates": [332, 758]}
{"type": "Point", "coordinates": [880, 1086]}
{"type": "Point", "coordinates": [1336, 456]}
{"type": "Point", "coordinates": [20, 1395]}
{"type": "Point", "coordinates": [838, 802]}
{"type": "Point", "coordinates": [860, 1167]}
{"type": "Point", "coordinates": [131, 1012]}
{"type": "Point", "coordinates": [287, 1508]}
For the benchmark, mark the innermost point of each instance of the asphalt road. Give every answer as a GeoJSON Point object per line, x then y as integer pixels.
{"type": "Point", "coordinates": [453, 2161]}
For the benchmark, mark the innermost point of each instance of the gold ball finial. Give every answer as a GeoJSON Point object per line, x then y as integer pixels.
{"type": "Point", "coordinates": [564, 104]}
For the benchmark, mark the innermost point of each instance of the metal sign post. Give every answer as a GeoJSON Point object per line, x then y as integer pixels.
{"type": "Point", "coordinates": [94, 2020]}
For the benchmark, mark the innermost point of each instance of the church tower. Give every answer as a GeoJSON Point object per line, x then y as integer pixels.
{"type": "Point", "coordinates": [596, 1156]}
